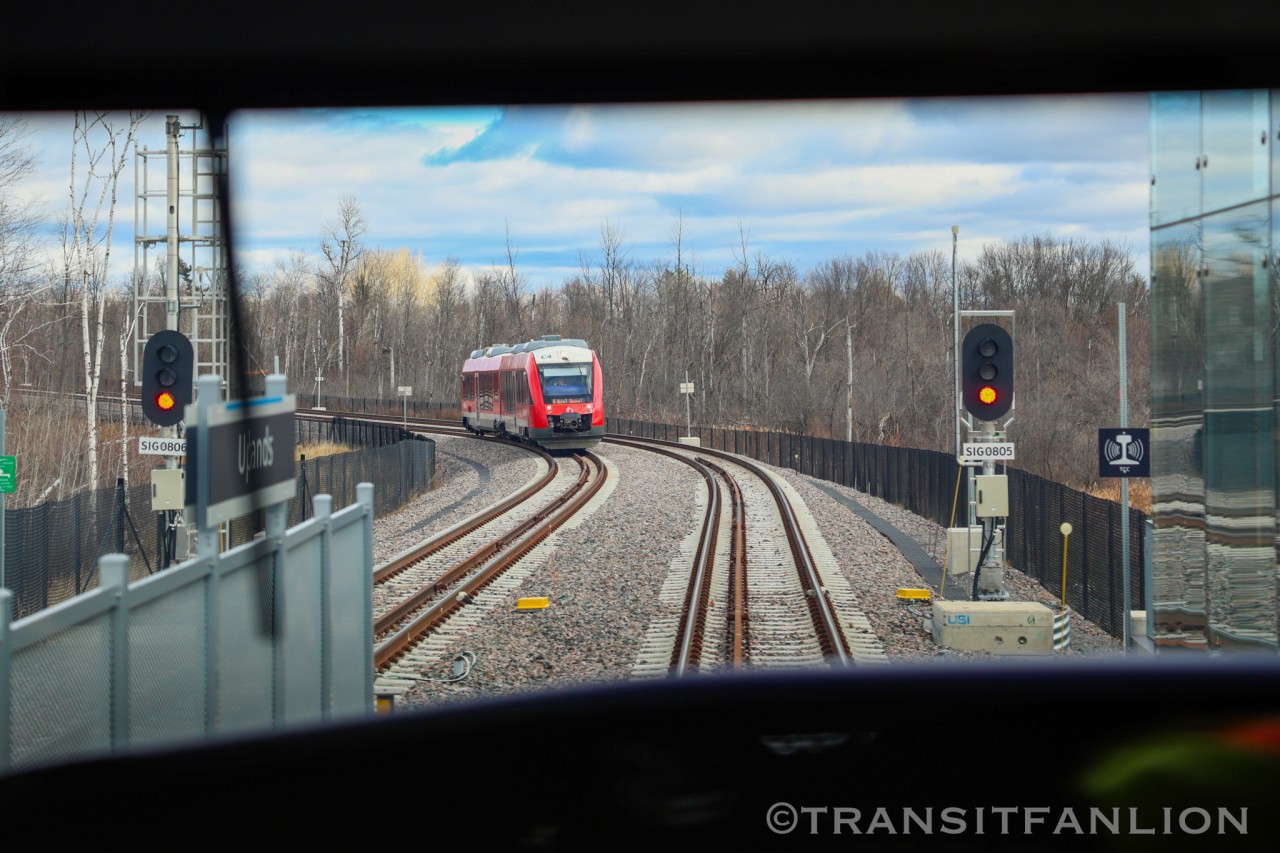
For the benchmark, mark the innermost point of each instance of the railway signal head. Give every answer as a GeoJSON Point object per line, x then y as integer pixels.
{"type": "Point", "coordinates": [168, 370]}
{"type": "Point", "coordinates": [986, 371]}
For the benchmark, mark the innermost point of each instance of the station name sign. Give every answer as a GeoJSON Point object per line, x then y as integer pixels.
{"type": "Point", "coordinates": [250, 462]}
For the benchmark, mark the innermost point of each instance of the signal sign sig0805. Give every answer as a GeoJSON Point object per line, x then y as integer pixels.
{"type": "Point", "coordinates": [986, 371]}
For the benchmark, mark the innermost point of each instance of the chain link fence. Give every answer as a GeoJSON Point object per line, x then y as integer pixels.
{"type": "Point", "coordinates": [927, 483]}
{"type": "Point", "coordinates": [51, 550]}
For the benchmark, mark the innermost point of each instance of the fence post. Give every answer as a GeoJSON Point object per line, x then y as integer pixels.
{"type": "Point", "coordinates": [1111, 574]}
{"type": "Point", "coordinates": [78, 515]}
{"type": "Point", "coordinates": [113, 569]}
{"type": "Point", "coordinates": [119, 516]}
{"type": "Point", "coordinates": [6, 681]}
{"type": "Point", "coordinates": [364, 495]}
{"type": "Point", "coordinates": [1084, 563]}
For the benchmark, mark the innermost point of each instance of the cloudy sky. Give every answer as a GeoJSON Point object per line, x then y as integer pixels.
{"type": "Point", "coordinates": [803, 181]}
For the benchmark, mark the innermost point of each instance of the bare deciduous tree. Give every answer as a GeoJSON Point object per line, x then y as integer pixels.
{"type": "Point", "coordinates": [341, 248]}
{"type": "Point", "coordinates": [105, 147]}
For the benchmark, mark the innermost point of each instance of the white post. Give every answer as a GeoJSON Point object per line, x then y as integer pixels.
{"type": "Point", "coordinates": [688, 411]}
{"type": "Point", "coordinates": [1124, 482]}
{"type": "Point", "coordinates": [848, 429]}
{"type": "Point", "coordinates": [955, 349]}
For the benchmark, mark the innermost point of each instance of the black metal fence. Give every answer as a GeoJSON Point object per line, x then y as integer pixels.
{"type": "Point", "coordinates": [390, 406]}
{"type": "Point", "coordinates": [928, 483]}
{"type": "Point", "coordinates": [51, 551]}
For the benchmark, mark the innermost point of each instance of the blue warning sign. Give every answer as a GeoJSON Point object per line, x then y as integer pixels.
{"type": "Point", "coordinates": [1124, 452]}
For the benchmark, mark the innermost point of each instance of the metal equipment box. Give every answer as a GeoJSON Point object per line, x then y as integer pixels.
{"type": "Point", "coordinates": [992, 495]}
{"type": "Point", "coordinates": [964, 544]}
{"type": "Point", "coordinates": [168, 488]}
{"type": "Point", "coordinates": [999, 627]}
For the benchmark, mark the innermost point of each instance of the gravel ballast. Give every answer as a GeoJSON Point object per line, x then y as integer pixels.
{"type": "Point", "coordinates": [610, 566]}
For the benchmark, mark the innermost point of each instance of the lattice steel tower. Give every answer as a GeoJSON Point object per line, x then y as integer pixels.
{"type": "Point", "coordinates": [188, 291]}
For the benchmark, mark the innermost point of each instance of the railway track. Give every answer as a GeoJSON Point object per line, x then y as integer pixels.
{"type": "Point", "coordinates": [801, 610]}
{"type": "Point", "coordinates": [440, 597]}
{"type": "Point", "coordinates": [766, 599]}
{"type": "Point", "coordinates": [687, 634]}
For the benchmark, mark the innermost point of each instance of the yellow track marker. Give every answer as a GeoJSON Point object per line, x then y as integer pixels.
{"type": "Point", "coordinates": [532, 603]}
{"type": "Point", "coordinates": [906, 592]}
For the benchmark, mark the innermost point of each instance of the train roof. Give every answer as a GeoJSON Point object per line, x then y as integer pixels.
{"type": "Point", "coordinates": [548, 348]}
{"type": "Point", "coordinates": [529, 346]}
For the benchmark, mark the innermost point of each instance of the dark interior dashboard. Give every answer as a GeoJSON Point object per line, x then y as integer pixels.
{"type": "Point", "coordinates": [947, 757]}
{"type": "Point", "coordinates": [75, 55]}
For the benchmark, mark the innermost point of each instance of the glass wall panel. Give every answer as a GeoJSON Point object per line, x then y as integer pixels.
{"type": "Point", "coordinates": [1177, 417]}
{"type": "Point", "coordinates": [1273, 133]}
{"type": "Point", "coordinates": [1235, 161]}
{"type": "Point", "coordinates": [1239, 447]}
{"type": "Point", "coordinates": [1273, 270]}
{"type": "Point", "coordinates": [1215, 367]}
{"type": "Point", "coordinates": [1175, 148]}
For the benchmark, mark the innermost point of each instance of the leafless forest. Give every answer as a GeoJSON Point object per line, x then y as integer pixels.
{"type": "Point", "coordinates": [767, 343]}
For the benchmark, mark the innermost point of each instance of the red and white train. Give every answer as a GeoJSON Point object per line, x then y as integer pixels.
{"type": "Point", "coordinates": [547, 391]}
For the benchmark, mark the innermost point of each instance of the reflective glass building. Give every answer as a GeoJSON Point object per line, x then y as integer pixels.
{"type": "Point", "coordinates": [1216, 308]}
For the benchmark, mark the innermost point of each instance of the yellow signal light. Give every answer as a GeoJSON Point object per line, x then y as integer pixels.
{"type": "Point", "coordinates": [987, 394]}
{"type": "Point", "coordinates": [165, 401]}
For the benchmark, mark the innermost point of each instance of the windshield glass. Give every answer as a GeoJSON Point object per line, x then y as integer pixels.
{"type": "Point", "coordinates": [566, 383]}
{"type": "Point", "coordinates": [785, 282]}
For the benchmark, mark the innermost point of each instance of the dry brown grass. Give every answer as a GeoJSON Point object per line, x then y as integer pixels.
{"type": "Point", "coordinates": [315, 451]}
{"type": "Point", "coordinates": [1139, 492]}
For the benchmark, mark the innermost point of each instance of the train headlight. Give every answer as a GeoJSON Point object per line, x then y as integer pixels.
{"type": "Point", "coordinates": [548, 410]}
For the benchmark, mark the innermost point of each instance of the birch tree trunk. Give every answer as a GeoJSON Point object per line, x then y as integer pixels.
{"type": "Point", "coordinates": [88, 255]}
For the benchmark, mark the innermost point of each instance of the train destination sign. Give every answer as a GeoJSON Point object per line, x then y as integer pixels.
{"type": "Point", "coordinates": [977, 451]}
{"type": "Point", "coordinates": [250, 463]}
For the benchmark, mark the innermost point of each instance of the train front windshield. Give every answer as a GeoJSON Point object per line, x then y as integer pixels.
{"type": "Point", "coordinates": [566, 383]}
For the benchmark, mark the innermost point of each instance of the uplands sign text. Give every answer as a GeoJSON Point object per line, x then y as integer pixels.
{"type": "Point", "coordinates": [250, 464]}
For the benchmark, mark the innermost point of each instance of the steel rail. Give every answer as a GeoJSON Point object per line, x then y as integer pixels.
{"type": "Point", "coordinates": [830, 635]}
{"type": "Point", "coordinates": [398, 643]}
{"type": "Point", "coordinates": [426, 549]}
{"type": "Point", "coordinates": [687, 652]}
{"type": "Point", "coordinates": [397, 613]}
{"type": "Point", "coordinates": [737, 626]}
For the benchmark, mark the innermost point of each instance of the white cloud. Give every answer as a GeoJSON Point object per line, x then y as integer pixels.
{"type": "Point", "coordinates": [810, 178]}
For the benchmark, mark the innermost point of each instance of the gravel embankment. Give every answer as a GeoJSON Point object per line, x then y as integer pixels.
{"type": "Point", "coordinates": [880, 569]}
{"type": "Point", "coordinates": [471, 476]}
{"type": "Point", "coordinates": [610, 567]}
